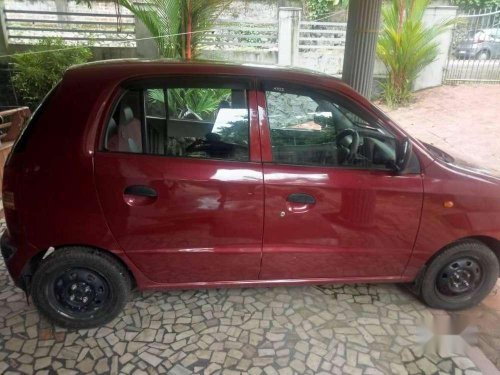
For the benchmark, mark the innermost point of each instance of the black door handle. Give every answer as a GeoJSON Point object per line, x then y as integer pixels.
{"type": "Point", "coordinates": [141, 190]}
{"type": "Point", "coordinates": [301, 198]}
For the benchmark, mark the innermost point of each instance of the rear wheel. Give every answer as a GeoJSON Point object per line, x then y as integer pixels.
{"type": "Point", "coordinates": [460, 277]}
{"type": "Point", "coordinates": [80, 287]}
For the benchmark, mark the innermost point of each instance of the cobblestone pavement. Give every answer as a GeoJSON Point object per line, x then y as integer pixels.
{"type": "Point", "coordinates": [340, 329]}
{"type": "Point", "coordinates": [361, 329]}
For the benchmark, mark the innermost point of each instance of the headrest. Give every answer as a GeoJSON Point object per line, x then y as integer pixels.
{"type": "Point", "coordinates": [126, 115]}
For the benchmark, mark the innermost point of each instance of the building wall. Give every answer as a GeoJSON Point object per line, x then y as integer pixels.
{"type": "Point", "coordinates": [244, 10]}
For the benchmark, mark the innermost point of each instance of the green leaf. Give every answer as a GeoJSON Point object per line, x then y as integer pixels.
{"type": "Point", "coordinates": [406, 46]}
{"type": "Point", "coordinates": [35, 74]}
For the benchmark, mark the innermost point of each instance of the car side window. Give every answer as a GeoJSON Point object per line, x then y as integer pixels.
{"type": "Point", "coordinates": [210, 123]}
{"type": "Point", "coordinates": [309, 129]}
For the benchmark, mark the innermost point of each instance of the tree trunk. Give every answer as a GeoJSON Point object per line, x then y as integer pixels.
{"type": "Point", "coordinates": [189, 29]}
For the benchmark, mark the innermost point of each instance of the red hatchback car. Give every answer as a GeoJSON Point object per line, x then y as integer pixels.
{"type": "Point", "coordinates": [194, 175]}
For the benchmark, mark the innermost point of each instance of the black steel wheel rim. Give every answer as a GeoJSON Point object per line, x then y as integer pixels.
{"type": "Point", "coordinates": [79, 292]}
{"type": "Point", "coordinates": [459, 278]}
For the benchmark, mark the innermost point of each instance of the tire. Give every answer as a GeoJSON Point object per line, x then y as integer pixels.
{"type": "Point", "coordinates": [80, 288]}
{"type": "Point", "coordinates": [460, 277]}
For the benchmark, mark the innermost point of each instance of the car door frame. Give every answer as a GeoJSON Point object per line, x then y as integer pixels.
{"type": "Point", "coordinates": [254, 150]}
{"type": "Point", "coordinates": [361, 105]}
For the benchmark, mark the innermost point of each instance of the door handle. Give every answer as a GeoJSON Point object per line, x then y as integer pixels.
{"type": "Point", "coordinates": [301, 198]}
{"type": "Point", "coordinates": [141, 191]}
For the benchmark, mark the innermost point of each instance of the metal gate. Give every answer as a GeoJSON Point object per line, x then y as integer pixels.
{"type": "Point", "coordinates": [474, 55]}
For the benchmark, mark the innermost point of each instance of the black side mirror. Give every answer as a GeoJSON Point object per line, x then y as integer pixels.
{"type": "Point", "coordinates": [403, 155]}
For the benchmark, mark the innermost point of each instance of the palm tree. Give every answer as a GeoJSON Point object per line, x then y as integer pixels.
{"type": "Point", "coordinates": [406, 46]}
{"type": "Point", "coordinates": [185, 19]}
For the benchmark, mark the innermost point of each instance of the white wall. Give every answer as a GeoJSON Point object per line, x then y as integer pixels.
{"type": "Point", "coordinates": [432, 74]}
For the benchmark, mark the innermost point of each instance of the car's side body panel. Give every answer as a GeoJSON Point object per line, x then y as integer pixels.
{"type": "Point", "coordinates": [205, 224]}
{"type": "Point", "coordinates": [475, 211]}
{"type": "Point", "coordinates": [56, 196]}
{"type": "Point", "coordinates": [363, 224]}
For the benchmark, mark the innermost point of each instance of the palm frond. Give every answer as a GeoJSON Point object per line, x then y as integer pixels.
{"type": "Point", "coordinates": [406, 45]}
{"type": "Point", "coordinates": [170, 22]}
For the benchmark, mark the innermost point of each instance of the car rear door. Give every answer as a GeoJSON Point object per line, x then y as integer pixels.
{"type": "Point", "coordinates": [327, 218]}
{"type": "Point", "coordinates": [180, 180]}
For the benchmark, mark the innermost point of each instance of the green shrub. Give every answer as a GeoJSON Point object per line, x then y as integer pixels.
{"type": "Point", "coordinates": [319, 9]}
{"type": "Point", "coordinates": [406, 46]}
{"type": "Point", "coordinates": [36, 73]}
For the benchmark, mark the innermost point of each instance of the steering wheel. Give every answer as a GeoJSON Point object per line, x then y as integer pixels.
{"type": "Point", "coordinates": [347, 145]}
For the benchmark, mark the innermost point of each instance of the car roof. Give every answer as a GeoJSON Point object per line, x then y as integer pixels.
{"type": "Point", "coordinates": [111, 73]}
{"type": "Point", "coordinates": [124, 63]}
{"type": "Point", "coordinates": [129, 68]}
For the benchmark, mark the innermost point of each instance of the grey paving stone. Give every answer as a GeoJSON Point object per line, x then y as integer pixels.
{"type": "Point", "coordinates": [179, 370]}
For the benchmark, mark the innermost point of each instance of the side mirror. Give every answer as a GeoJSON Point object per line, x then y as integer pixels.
{"type": "Point", "coordinates": [403, 155]}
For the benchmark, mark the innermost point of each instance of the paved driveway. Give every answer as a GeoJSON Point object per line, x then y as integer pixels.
{"type": "Point", "coordinates": [360, 329]}
{"type": "Point", "coordinates": [342, 329]}
{"type": "Point", "coordinates": [463, 120]}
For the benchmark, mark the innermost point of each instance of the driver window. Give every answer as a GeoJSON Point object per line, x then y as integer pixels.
{"type": "Point", "coordinates": [310, 130]}
{"type": "Point", "coordinates": [188, 122]}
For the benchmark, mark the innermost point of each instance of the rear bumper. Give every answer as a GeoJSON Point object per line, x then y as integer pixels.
{"type": "Point", "coordinates": [13, 261]}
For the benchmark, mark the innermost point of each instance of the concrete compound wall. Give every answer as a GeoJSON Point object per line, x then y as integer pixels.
{"type": "Point", "coordinates": [432, 74]}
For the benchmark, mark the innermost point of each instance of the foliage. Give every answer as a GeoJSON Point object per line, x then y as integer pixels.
{"type": "Point", "coordinates": [406, 46]}
{"type": "Point", "coordinates": [35, 74]}
{"type": "Point", "coordinates": [181, 21]}
{"type": "Point", "coordinates": [202, 102]}
{"type": "Point", "coordinates": [476, 4]}
{"type": "Point", "coordinates": [318, 9]}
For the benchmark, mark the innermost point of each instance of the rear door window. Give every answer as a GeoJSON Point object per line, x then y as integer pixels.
{"type": "Point", "coordinates": [195, 122]}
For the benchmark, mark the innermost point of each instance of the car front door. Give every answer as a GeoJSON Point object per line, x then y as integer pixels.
{"type": "Point", "coordinates": [332, 211]}
{"type": "Point", "coordinates": [180, 179]}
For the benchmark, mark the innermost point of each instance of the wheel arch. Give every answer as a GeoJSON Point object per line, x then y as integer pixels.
{"type": "Point", "coordinates": [484, 49]}
{"type": "Point", "coordinates": [490, 242]}
{"type": "Point", "coordinates": [35, 261]}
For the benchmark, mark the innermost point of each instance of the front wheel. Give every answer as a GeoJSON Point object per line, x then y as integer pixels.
{"type": "Point", "coordinates": [460, 277]}
{"type": "Point", "coordinates": [80, 287]}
